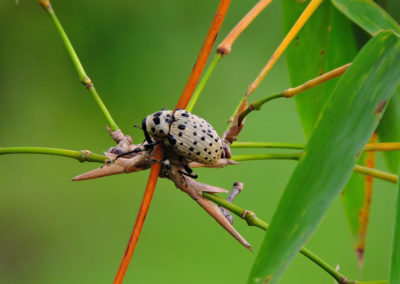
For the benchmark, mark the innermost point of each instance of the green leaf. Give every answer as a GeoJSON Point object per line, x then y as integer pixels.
{"type": "Point", "coordinates": [389, 131]}
{"type": "Point", "coordinates": [332, 32]}
{"type": "Point", "coordinates": [368, 15]}
{"type": "Point", "coordinates": [324, 43]}
{"type": "Point", "coordinates": [395, 266]}
{"type": "Point", "coordinates": [345, 125]}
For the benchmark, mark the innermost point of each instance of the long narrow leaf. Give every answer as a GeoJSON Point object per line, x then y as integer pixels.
{"type": "Point", "coordinates": [395, 266]}
{"type": "Point", "coordinates": [323, 44]}
{"type": "Point", "coordinates": [368, 15]}
{"type": "Point", "coordinates": [346, 123]}
{"type": "Point", "coordinates": [372, 18]}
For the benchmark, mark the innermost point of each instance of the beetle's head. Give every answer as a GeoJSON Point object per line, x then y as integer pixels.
{"type": "Point", "coordinates": [157, 125]}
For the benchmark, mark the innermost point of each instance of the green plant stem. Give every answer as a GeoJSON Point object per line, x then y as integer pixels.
{"type": "Point", "coordinates": [253, 220]}
{"type": "Point", "coordinates": [257, 105]}
{"type": "Point", "coordinates": [203, 81]}
{"type": "Point", "coordinates": [81, 71]}
{"type": "Point", "coordinates": [295, 156]}
{"type": "Point", "coordinates": [81, 156]}
{"type": "Point", "coordinates": [267, 145]}
{"type": "Point", "coordinates": [368, 282]}
{"type": "Point", "coordinates": [248, 157]}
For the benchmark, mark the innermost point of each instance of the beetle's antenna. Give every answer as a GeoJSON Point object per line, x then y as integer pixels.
{"type": "Point", "coordinates": [137, 126]}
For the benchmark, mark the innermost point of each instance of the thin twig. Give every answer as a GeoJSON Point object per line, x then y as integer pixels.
{"type": "Point", "coordinates": [204, 53]}
{"type": "Point", "coordinates": [386, 146]}
{"type": "Point", "coordinates": [81, 156]}
{"type": "Point", "coordinates": [307, 13]}
{"type": "Point", "coordinates": [226, 46]}
{"type": "Point", "coordinates": [203, 82]}
{"type": "Point", "coordinates": [144, 207]}
{"type": "Point", "coordinates": [291, 92]}
{"type": "Point", "coordinates": [85, 80]}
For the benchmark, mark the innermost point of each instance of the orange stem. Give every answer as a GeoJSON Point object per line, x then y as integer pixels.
{"type": "Point", "coordinates": [365, 210]}
{"type": "Point", "coordinates": [225, 47]}
{"type": "Point", "coordinates": [388, 146]}
{"type": "Point", "coordinates": [308, 11]}
{"type": "Point", "coordinates": [144, 207]}
{"type": "Point", "coordinates": [204, 53]}
{"type": "Point", "coordinates": [156, 167]}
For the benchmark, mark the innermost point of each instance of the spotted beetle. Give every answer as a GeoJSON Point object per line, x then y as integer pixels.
{"type": "Point", "coordinates": [187, 135]}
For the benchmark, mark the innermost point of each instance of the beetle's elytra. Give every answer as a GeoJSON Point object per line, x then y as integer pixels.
{"type": "Point", "coordinates": [186, 134]}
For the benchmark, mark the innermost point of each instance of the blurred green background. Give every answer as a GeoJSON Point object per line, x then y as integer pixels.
{"type": "Point", "coordinates": [139, 55]}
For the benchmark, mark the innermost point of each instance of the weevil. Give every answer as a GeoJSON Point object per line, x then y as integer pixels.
{"type": "Point", "coordinates": [185, 134]}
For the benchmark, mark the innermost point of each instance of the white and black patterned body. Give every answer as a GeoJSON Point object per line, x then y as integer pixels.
{"type": "Point", "coordinates": [186, 134]}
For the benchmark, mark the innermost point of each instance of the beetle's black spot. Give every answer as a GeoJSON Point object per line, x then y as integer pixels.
{"type": "Point", "coordinates": [220, 147]}
{"type": "Point", "coordinates": [161, 131]}
{"type": "Point", "coordinates": [204, 131]}
{"type": "Point", "coordinates": [205, 149]}
{"type": "Point", "coordinates": [194, 126]}
{"type": "Point", "coordinates": [156, 120]}
{"type": "Point", "coordinates": [167, 120]}
{"type": "Point", "coordinates": [185, 122]}
{"type": "Point", "coordinates": [209, 153]}
{"type": "Point", "coordinates": [171, 139]}
{"type": "Point", "coordinates": [210, 144]}
{"type": "Point", "coordinates": [201, 125]}
{"type": "Point", "coordinates": [153, 129]}
{"type": "Point", "coordinates": [181, 126]}
{"type": "Point", "coordinates": [180, 134]}
{"type": "Point", "coordinates": [198, 153]}
{"type": "Point", "coordinates": [168, 115]}
{"type": "Point", "coordinates": [191, 148]}
{"type": "Point", "coordinates": [195, 143]}
{"type": "Point", "coordinates": [216, 140]}
{"type": "Point", "coordinates": [181, 144]}
{"type": "Point", "coordinates": [185, 114]}
{"type": "Point", "coordinates": [203, 138]}
{"type": "Point", "coordinates": [158, 113]}
{"type": "Point", "coordinates": [216, 151]}
{"type": "Point", "coordinates": [208, 130]}
{"type": "Point", "coordinates": [210, 135]}
{"type": "Point", "coordinates": [195, 133]}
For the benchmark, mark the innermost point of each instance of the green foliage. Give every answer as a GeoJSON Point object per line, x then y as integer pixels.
{"type": "Point", "coordinates": [360, 96]}
{"type": "Point", "coordinates": [395, 266]}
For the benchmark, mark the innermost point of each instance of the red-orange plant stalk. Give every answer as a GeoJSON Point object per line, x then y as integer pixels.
{"type": "Point", "coordinates": [182, 103]}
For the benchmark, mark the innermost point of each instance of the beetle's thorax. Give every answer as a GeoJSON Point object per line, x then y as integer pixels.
{"type": "Point", "coordinates": [158, 124]}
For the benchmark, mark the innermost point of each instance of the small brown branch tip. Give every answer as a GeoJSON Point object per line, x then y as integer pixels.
{"type": "Point", "coordinates": [45, 4]}
{"type": "Point", "coordinates": [224, 50]}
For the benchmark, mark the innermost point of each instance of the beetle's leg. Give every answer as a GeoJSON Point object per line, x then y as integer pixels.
{"type": "Point", "coordinates": [189, 172]}
{"type": "Point", "coordinates": [165, 162]}
{"type": "Point", "coordinates": [138, 149]}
